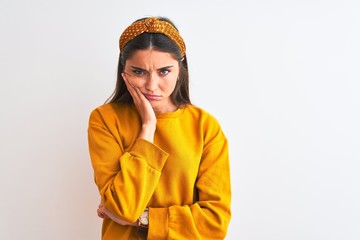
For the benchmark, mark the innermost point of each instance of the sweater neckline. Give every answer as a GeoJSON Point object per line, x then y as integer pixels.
{"type": "Point", "coordinates": [174, 114]}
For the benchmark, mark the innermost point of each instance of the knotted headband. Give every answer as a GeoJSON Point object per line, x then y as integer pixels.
{"type": "Point", "coordinates": [152, 25]}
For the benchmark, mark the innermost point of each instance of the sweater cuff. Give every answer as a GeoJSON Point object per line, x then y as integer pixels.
{"type": "Point", "coordinates": [158, 223]}
{"type": "Point", "coordinates": [155, 156]}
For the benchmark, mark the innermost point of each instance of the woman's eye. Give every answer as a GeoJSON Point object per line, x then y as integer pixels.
{"type": "Point", "coordinates": [138, 72]}
{"type": "Point", "coordinates": [164, 71]}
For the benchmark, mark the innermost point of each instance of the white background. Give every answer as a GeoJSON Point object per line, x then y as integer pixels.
{"type": "Point", "coordinates": [282, 77]}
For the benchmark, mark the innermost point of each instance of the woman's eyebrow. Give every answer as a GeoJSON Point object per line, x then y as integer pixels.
{"type": "Point", "coordinates": [166, 67]}
{"type": "Point", "coordinates": [137, 68]}
{"type": "Point", "coordinates": [141, 69]}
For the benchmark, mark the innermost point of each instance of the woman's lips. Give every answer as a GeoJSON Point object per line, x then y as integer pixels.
{"type": "Point", "coordinates": [152, 97]}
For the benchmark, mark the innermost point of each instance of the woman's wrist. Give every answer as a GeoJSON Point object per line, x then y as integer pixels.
{"type": "Point", "coordinates": [143, 223]}
{"type": "Point", "coordinates": [147, 133]}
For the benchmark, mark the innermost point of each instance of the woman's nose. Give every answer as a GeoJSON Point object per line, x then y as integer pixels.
{"type": "Point", "coordinates": [152, 82]}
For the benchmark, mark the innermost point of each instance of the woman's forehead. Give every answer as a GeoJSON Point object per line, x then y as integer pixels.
{"type": "Point", "coordinates": [151, 58]}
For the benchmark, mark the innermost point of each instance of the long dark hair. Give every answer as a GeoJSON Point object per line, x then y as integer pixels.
{"type": "Point", "coordinates": [159, 42]}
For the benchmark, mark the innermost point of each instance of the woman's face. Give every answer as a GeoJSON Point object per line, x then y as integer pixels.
{"type": "Point", "coordinates": [155, 73]}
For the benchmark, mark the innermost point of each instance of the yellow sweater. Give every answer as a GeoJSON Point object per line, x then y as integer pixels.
{"type": "Point", "coordinates": [183, 177]}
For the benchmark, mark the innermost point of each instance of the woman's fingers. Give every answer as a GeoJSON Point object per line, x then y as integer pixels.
{"type": "Point", "coordinates": [144, 109]}
{"type": "Point", "coordinates": [129, 86]}
{"type": "Point", "coordinates": [103, 212]}
{"type": "Point", "coordinates": [99, 210]}
{"type": "Point", "coordinates": [141, 102]}
{"type": "Point", "coordinates": [138, 97]}
{"type": "Point", "coordinates": [100, 214]}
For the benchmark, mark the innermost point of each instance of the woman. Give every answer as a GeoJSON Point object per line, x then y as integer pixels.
{"type": "Point", "coordinates": [160, 163]}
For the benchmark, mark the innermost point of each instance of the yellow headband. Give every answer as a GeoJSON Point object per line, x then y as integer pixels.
{"type": "Point", "coordinates": [152, 25]}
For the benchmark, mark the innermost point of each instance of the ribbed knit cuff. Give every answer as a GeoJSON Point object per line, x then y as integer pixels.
{"type": "Point", "coordinates": [158, 223]}
{"type": "Point", "coordinates": [155, 156]}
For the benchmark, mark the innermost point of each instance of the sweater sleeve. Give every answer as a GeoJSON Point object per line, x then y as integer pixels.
{"type": "Point", "coordinates": [209, 216]}
{"type": "Point", "coordinates": [126, 180]}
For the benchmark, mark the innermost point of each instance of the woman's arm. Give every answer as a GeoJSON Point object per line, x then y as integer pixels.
{"type": "Point", "coordinates": [209, 216]}
{"type": "Point", "coordinates": [123, 177]}
{"type": "Point", "coordinates": [103, 212]}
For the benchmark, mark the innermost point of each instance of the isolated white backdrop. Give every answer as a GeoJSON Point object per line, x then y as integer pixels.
{"type": "Point", "coordinates": [282, 77]}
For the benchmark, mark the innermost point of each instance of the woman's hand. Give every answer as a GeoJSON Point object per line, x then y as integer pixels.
{"type": "Point", "coordinates": [103, 212]}
{"type": "Point", "coordinates": [145, 110]}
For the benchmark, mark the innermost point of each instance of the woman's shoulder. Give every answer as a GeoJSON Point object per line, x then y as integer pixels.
{"type": "Point", "coordinates": [202, 118]}
{"type": "Point", "coordinates": [200, 113]}
{"type": "Point", "coordinates": [110, 108]}
{"type": "Point", "coordinates": [110, 111]}
{"type": "Point", "coordinates": [206, 121]}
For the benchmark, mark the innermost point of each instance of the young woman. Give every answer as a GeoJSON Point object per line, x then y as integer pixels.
{"type": "Point", "coordinates": [161, 164]}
